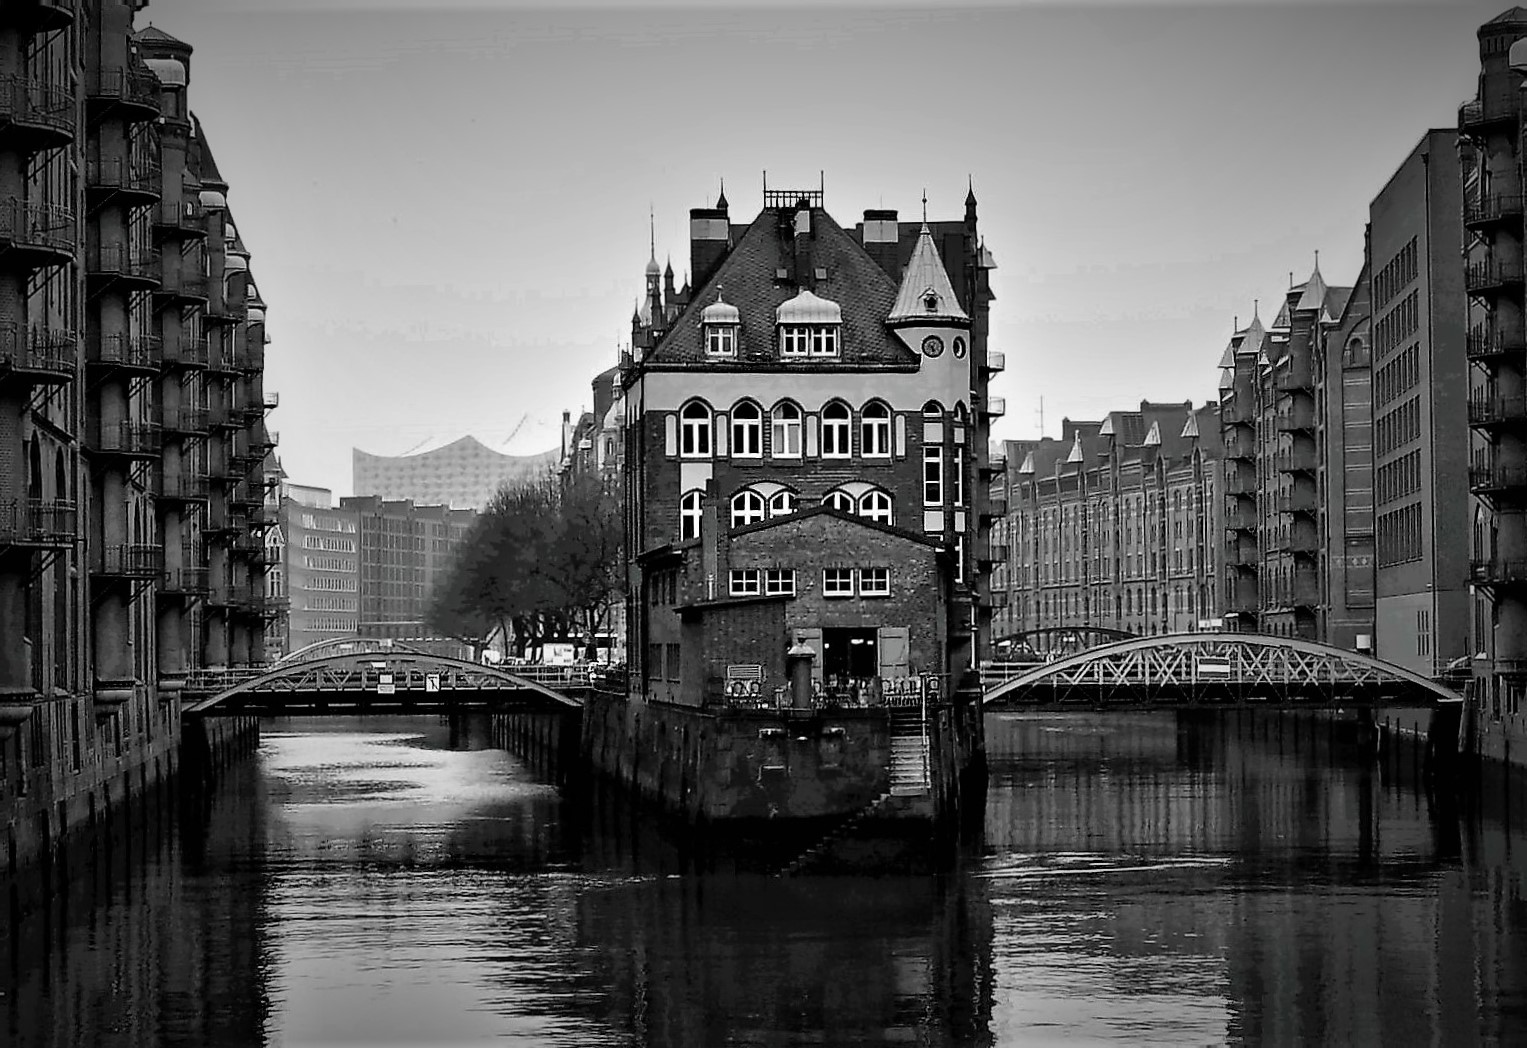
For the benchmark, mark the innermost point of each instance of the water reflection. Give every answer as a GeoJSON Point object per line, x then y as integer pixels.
{"type": "Point", "coordinates": [395, 882]}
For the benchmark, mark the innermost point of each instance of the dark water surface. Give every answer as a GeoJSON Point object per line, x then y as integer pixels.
{"type": "Point", "coordinates": [364, 883]}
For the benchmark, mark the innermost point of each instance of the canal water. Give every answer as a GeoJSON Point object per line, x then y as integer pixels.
{"type": "Point", "coordinates": [365, 882]}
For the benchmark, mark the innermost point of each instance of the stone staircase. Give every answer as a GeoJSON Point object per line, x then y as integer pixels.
{"type": "Point", "coordinates": [909, 753]}
{"type": "Point", "coordinates": [808, 858]}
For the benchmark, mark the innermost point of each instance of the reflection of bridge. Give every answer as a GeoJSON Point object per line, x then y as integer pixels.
{"type": "Point", "coordinates": [1215, 671]}
{"type": "Point", "coordinates": [376, 679]}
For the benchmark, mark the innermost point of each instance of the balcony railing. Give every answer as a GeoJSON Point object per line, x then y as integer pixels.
{"type": "Point", "coordinates": [996, 361]}
{"type": "Point", "coordinates": [128, 561]}
{"type": "Point", "coordinates": [1241, 482]}
{"type": "Point", "coordinates": [1293, 381]}
{"type": "Point", "coordinates": [39, 16]}
{"type": "Point", "coordinates": [45, 228]}
{"type": "Point", "coordinates": [1300, 460]}
{"type": "Point", "coordinates": [41, 354]}
{"type": "Point", "coordinates": [1297, 502]}
{"type": "Point", "coordinates": [1243, 555]}
{"type": "Point", "coordinates": [122, 175]}
{"type": "Point", "coordinates": [183, 282]}
{"type": "Point", "coordinates": [183, 487]}
{"type": "Point", "coordinates": [39, 106]}
{"type": "Point", "coordinates": [1299, 417]}
{"type": "Point", "coordinates": [1491, 276]}
{"type": "Point", "coordinates": [1486, 411]}
{"type": "Point", "coordinates": [185, 420]}
{"type": "Point", "coordinates": [127, 262]}
{"type": "Point", "coordinates": [185, 580]}
{"type": "Point", "coordinates": [1497, 207]}
{"type": "Point", "coordinates": [1495, 571]}
{"type": "Point", "coordinates": [1241, 443]}
{"type": "Point", "coordinates": [1241, 517]}
{"type": "Point", "coordinates": [1488, 480]}
{"type": "Point", "coordinates": [1484, 346]}
{"type": "Point", "coordinates": [1478, 117]}
{"type": "Point", "coordinates": [185, 217]}
{"type": "Point", "coordinates": [1239, 605]}
{"type": "Point", "coordinates": [996, 504]}
{"type": "Point", "coordinates": [137, 439]}
{"type": "Point", "coordinates": [128, 351]}
{"type": "Point", "coordinates": [38, 522]}
{"type": "Point", "coordinates": [185, 351]}
{"type": "Point", "coordinates": [995, 407]}
{"type": "Point", "coordinates": [271, 400]}
{"type": "Point", "coordinates": [127, 86]}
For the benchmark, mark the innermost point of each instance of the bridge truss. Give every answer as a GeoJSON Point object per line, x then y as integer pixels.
{"type": "Point", "coordinates": [1066, 640]}
{"type": "Point", "coordinates": [381, 681]}
{"type": "Point", "coordinates": [1216, 671]}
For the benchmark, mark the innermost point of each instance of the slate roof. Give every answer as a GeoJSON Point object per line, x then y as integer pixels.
{"type": "Point", "coordinates": [206, 166]}
{"type": "Point", "coordinates": [1167, 431]}
{"type": "Point", "coordinates": [924, 275]}
{"type": "Point", "coordinates": [156, 35]}
{"type": "Point", "coordinates": [747, 280]}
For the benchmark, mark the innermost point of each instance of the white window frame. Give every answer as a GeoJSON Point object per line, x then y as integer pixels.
{"type": "Point", "coordinates": [783, 503]}
{"type": "Point", "coordinates": [721, 340]}
{"type": "Point", "coordinates": [824, 340]}
{"type": "Point", "coordinates": [840, 500]}
{"type": "Point", "coordinates": [690, 514]}
{"type": "Point", "coordinates": [843, 427]}
{"type": "Point", "coordinates": [748, 507]}
{"type": "Point", "coordinates": [794, 340]}
{"type": "Point", "coordinates": [959, 476]}
{"type": "Point", "coordinates": [876, 505]}
{"type": "Point", "coordinates": [779, 582]}
{"type": "Point", "coordinates": [787, 429]}
{"type": "Point", "coordinates": [745, 582]}
{"type": "Point", "coordinates": [875, 430]}
{"type": "Point", "coordinates": [747, 430]}
{"type": "Point", "coordinates": [837, 582]}
{"type": "Point", "coordinates": [695, 432]}
{"type": "Point", "coordinates": [933, 487]}
{"type": "Point", "coordinates": [874, 582]}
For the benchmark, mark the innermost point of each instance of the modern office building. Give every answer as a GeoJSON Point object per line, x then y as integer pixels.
{"type": "Point", "coordinates": [1497, 351]}
{"type": "Point", "coordinates": [804, 440]}
{"type": "Point", "coordinates": [1420, 409]}
{"type": "Point", "coordinates": [403, 551]}
{"type": "Point", "coordinates": [321, 572]}
{"type": "Point", "coordinates": [1117, 524]}
{"type": "Point", "coordinates": [463, 474]}
{"type": "Point", "coordinates": [131, 412]}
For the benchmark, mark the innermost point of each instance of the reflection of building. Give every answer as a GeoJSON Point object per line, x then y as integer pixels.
{"type": "Point", "coordinates": [1420, 418]}
{"type": "Point", "coordinates": [804, 437]}
{"type": "Point", "coordinates": [402, 550]}
{"type": "Point", "coordinates": [1497, 411]}
{"type": "Point", "coordinates": [1116, 524]}
{"type": "Point", "coordinates": [463, 474]}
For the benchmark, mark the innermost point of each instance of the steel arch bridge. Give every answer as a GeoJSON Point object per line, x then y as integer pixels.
{"type": "Point", "coordinates": [379, 682]}
{"type": "Point", "coordinates": [321, 649]}
{"type": "Point", "coordinates": [1216, 671]}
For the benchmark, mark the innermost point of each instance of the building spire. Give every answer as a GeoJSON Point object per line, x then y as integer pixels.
{"type": "Point", "coordinates": [721, 204]}
{"type": "Point", "coordinates": [925, 206]}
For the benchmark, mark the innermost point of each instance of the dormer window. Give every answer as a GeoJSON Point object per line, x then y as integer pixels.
{"type": "Point", "coordinates": [930, 300]}
{"type": "Point", "coordinates": [720, 321]}
{"type": "Point", "coordinates": [809, 326]}
{"type": "Point", "coordinates": [720, 340]}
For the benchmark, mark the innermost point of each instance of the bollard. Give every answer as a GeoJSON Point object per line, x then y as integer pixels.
{"type": "Point", "coordinates": [798, 662]}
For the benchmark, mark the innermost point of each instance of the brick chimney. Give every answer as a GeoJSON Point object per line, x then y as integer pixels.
{"type": "Point", "coordinates": [710, 238]}
{"type": "Point", "coordinates": [801, 244]}
{"type": "Point", "coordinates": [882, 236]}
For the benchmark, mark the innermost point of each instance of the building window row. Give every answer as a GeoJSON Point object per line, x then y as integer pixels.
{"type": "Point", "coordinates": [1399, 535]}
{"type": "Point", "coordinates": [1394, 480]}
{"type": "Point", "coordinates": [786, 423]}
{"type": "Point", "coordinates": [754, 582]}
{"type": "Point", "coordinates": [864, 582]}
{"type": "Point", "coordinates": [1399, 427]}
{"type": "Point", "coordinates": [328, 545]}
{"type": "Point", "coordinates": [328, 564]}
{"type": "Point", "coordinates": [1398, 272]}
{"type": "Point", "coordinates": [326, 582]}
{"type": "Point", "coordinates": [1401, 322]}
{"type": "Point", "coordinates": [1398, 376]}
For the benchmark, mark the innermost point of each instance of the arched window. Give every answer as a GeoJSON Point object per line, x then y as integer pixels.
{"type": "Point", "coordinates": [747, 430]}
{"type": "Point", "coordinates": [836, 440]}
{"type": "Point", "coordinates": [875, 505]}
{"type": "Point", "coordinates": [747, 507]}
{"type": "Point", "coordinates": [785, 432]}
{"type": "Point", "coordinates": [932, 410]}
{"type": "Point", "coordinates": [875, 430]}
{"type": "Point", "coordinates": [782, 503]}
{"type": "Point", "coordinates": [961, 416]}
{"type": "Point", "coordinates": [694, 430]}
{"type": "Point", "coordinates": [839, 500]}
{"type": "Point", "coordinates": [689, 516]}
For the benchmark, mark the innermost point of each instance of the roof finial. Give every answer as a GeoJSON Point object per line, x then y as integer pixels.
{"type": "Point", "coordinates": [652, 230]}
{"type": "Point", "coordinates": [721, 200]}
{"type": "Point", "coordinates": [925, 206]}
{"type": "Point", "coordinates": [1256, 305]}
{"type": "Point", "coordinates": [1317, 259]}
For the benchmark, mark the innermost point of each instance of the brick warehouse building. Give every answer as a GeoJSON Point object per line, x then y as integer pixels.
{"type": "Point", "coordinates": [1116, 525]}
{"type": "Point", "coordinates": [131, 409]}
{"type": "Point", "coordinates": [805, 431]}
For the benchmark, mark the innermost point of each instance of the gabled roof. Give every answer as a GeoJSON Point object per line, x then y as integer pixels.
{"type": "Point", "coordinates": [1190, 428]}
{"type": "Point", "coordinates": [1255, 338]}
{"type": "Point", "coordinates": [823, 510]}
{"type": "Point", "coordinates": [1314, 294]}
{"type": "Point", "coordinates": [747, 277]}
{"type": "Point", "coordinates": [924, 278]}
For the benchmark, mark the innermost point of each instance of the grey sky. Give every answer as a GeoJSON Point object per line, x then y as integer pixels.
{"type": "Point", "coordinates": [448, 206]}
